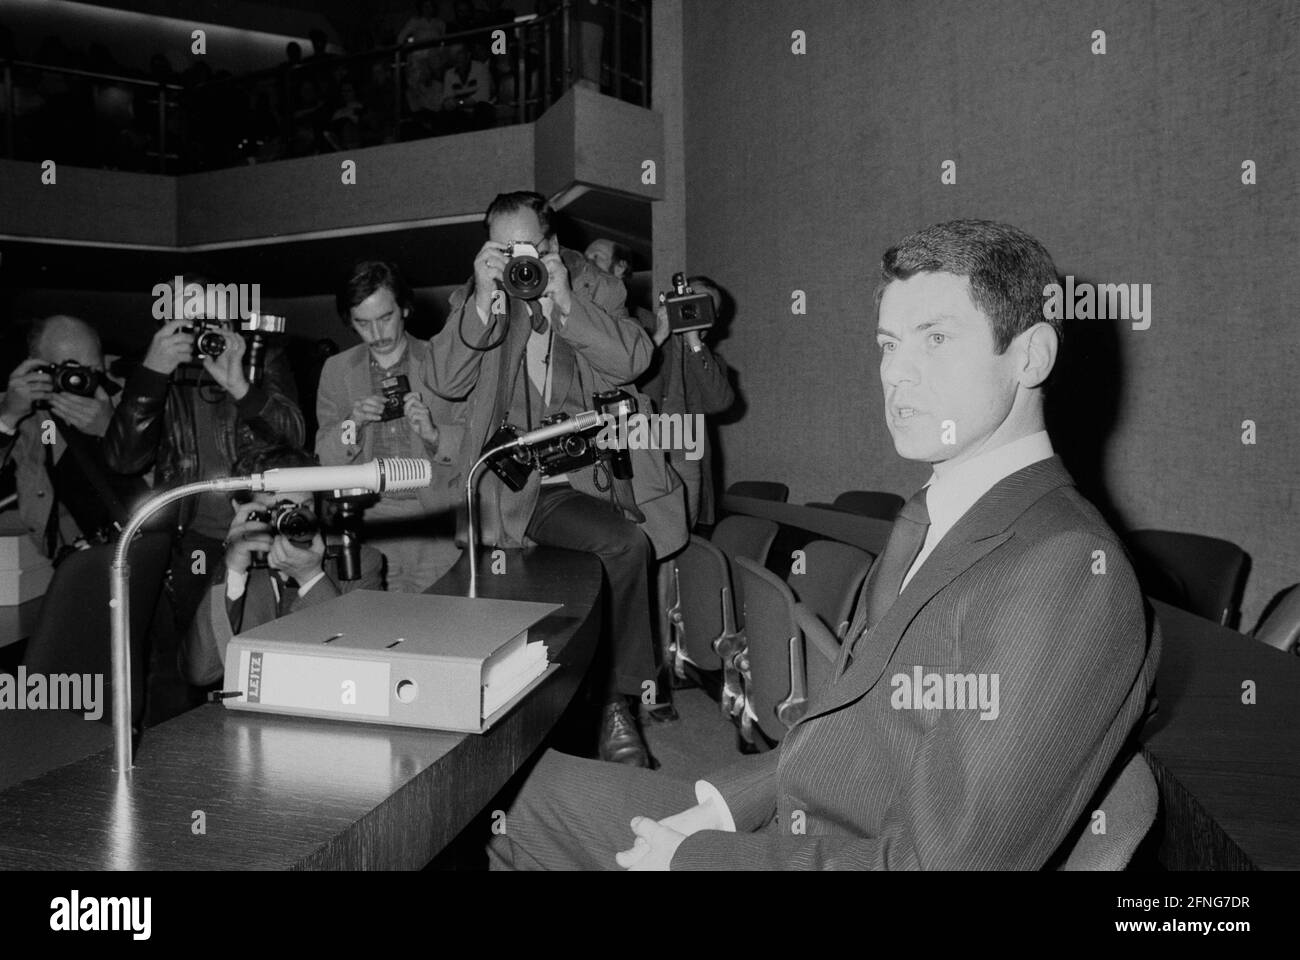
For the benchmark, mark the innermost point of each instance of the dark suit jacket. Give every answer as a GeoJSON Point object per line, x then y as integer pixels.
{"type": "Point", "coordinates": [1011, 590]}
{"type": "Point", "coordinates": [597, 348]}
{"type": "Point", "coordinates": [203, 653]}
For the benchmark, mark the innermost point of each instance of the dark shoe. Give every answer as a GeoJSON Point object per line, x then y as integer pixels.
{"type": "Point", "coordinates": [620, 740]}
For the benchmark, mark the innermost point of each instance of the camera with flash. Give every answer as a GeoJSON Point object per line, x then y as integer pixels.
{"type": "Point", "coordinates": [687, 310]}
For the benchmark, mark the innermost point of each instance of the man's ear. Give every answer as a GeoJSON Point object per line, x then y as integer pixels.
{"type": "Point", "coordinates": [1037, 347]}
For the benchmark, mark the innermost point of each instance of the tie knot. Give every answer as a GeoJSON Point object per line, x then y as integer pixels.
{"type": "Point", "coordinates": [915, 509]}
{"type": "Point", "coordinates": [537, 317]}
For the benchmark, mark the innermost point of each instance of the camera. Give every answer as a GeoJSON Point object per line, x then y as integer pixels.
{"type": "Point", "coordinates": [525, 276]}
{"type": "Point", "coordinates": [209, 339]}
{"type": "Point", "coordinates": [394, 390]}
{"type": "Point", "coordinates": [347, 507]}
{"type": "Point", "coordinates": [289, 520]}
{"type": "Point", "coordinates": [687, 310]}
{"type": "Point", "coordinates": [569, 452]}
{"type": "Point", "coordinates": [69, 377]}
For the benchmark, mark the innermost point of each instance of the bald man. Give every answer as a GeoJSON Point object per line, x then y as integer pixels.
{"type": "Point", "coordinates": [33, 410]}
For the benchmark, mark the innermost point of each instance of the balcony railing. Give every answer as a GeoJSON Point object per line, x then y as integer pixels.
{"type": "Point", "coordinates": [491, 76]}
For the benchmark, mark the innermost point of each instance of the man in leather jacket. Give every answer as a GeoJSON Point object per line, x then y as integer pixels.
{"type": "Point", "coordinates": [189, 422]}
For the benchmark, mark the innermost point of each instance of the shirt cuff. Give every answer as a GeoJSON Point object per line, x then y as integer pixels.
{"type": "Point", "coordinates": [6, 430]}
{"type": "Point", "coordinates": [706, 792]}
{"type": "Point", "coordinates": [483, 318]}
{"type": "Point", "coordinates": [236, 584]}
{"type": "Point", "coordinates": [303, 588]}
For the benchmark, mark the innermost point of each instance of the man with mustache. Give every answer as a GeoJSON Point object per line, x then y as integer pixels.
{"type": "Point", "coordinates": [414, 529]}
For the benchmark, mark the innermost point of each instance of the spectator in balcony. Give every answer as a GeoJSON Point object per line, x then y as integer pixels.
{"type": "Point", "coordinates": [421, 28]}
{"type": "Point", "coordinates": [467, 93]}
{"type": "Point", "coordinates": [344, 131]}
{"type": "Point", "coordinates": [424, 96]}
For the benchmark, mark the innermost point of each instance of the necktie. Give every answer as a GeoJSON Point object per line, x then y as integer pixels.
{"type": "Point", "coordinates": [537, 317]}
{"type": "Point", "coordinates": [905, 542]}
{"type": "Point", "coordinates": [288, 596]}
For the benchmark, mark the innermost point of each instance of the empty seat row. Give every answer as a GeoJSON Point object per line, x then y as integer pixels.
{"type": "Point", "coordinates": [774, 641]}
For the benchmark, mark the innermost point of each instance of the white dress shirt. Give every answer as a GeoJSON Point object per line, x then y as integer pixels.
{"type": "Point", "coordinates": [948, 497]}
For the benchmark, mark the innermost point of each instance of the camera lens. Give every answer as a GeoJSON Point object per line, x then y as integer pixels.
{"type": "Point", "coordinates": [296, 525]}
{"type": "Point", "coordinates": [212, 344]}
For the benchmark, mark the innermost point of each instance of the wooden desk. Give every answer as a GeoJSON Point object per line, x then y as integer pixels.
{"type": "Point", "coordinates": [1229, 773]}
{"type": "Point", "coordinates": [298, 793]}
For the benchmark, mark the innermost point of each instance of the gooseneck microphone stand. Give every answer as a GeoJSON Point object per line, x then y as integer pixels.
{"type": "Point", "coordinates": [120, 606]}
{"type": "Point", "coordinates": [470, 505]}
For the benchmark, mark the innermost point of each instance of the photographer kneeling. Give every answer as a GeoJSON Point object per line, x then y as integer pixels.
{"type": "Point", "coordinates": [249, 591]}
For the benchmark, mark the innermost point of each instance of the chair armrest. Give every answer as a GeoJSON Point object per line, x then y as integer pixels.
{"type": "Point", "coordinates": [816, 634]}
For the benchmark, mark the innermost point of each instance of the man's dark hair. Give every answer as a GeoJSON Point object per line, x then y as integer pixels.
{"type": "Point", "coordinates": [1007, 270]}
{"type": "Point", "coordinates": [367, 277]}
{"type": "Point", "coordinates": [267, 457]}
{"type": "Point", "coordinates": [520, 200]}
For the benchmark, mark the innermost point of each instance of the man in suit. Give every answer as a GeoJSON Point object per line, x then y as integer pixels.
{"type": "Point", "coordinates": [247, 593]}
{"type": "Point", "coordinates": [518, 361]}
{"type": "Point", "coordinates": [998, 579]}
{"type": "Point", "coordinates": [414, 529]}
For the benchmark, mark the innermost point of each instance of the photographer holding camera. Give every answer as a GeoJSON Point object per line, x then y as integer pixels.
{"type": "Point", "coordinates": [375, 400]}
{"type": "Point", "coordinates": [275, 564]}
{"type": "Point", "coordinates": [66, 494]}
{"type": "Point", "coordinates": [538, 332]}
{"type": "Point", "coordinates": [192, 422]}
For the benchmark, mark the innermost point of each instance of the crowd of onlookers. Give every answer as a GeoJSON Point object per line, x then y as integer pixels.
{"type": "Point", "coordinates": [311, 103]}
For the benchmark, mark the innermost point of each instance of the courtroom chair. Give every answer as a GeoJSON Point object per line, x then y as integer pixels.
{"type": "Point", "coordinates": [72, 637]}
{"type": "Point", "coordinates": [702, 615]}
{"type": "Point", "coordinates": [869, 503]}
{"type": "Point", "coordinates": [1130, 807]}
{"type": "Point", "coordinates": [1202, 575]}
{"type": "Point", "coordinates": [760, 490]}
{"type": "Point", "coordinates": [751, 538]}
{"type": "Point", "coordinates": [1280, 625]}
{"type": "Point", "coordinates": [774, 660]}
{"type": "Point", "coordinates": [832, 578]}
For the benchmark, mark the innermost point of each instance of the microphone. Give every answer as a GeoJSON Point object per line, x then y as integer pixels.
{"type": "Point", "coordinates": [384, 473]}
{"type": "Point", "coordinates": [575, 424]}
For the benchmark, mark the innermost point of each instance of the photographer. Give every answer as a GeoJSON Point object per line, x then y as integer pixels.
{"type": "Point", "coordinates": [521, 360]}
{"type": "Point", "coordinates": [245, 594]}
{"type": "Point", "coordinates": [688, 379]}
{"type": "Point", "coordinates": [190, 422]}
{"type": "Point", "coordinates": [375, 400]}
{"type": "Point", "coordinates": [66, 494]}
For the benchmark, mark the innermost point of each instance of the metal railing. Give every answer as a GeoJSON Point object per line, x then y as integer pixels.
{"type": "Point", "coordinates": [328, 104]}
